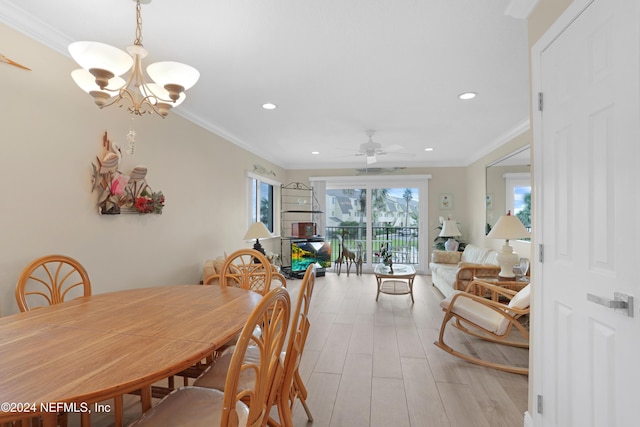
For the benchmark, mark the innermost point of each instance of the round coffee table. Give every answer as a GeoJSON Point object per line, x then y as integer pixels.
{"type": "Point", "coordinates": [398, 282]}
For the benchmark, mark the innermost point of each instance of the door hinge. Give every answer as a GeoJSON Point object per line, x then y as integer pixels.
{"type": "Point", "coordinates": [539, 404]}
{"type": "Point", "coordinates": [540, 97]}
{"type": "Point", "coordinates": [541, 252]}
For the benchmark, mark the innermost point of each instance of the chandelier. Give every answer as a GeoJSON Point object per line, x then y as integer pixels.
{"type": "Point", "coordinates": [102, 65]}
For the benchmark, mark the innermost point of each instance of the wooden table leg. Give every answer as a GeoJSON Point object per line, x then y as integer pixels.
{"type": "Point", "coordinates": [117, 410]}
{"type": "Point", "coordinates": [411, 288]}
{"type": "Point", "coordinates": [49, 419]}
{"type": "Point", "coordinates": [85, 419]}
{"type": "Point", "coordinates": [145, 396]}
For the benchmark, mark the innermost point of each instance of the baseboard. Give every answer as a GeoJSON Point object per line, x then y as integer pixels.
{"type": "Point", "coordinates": [528, 420]}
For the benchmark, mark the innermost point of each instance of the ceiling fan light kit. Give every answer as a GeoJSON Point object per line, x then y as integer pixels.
{"type": "Point", "coordinates": [102, 65]}
{"type": "Point", "coordinates": [371, 149]}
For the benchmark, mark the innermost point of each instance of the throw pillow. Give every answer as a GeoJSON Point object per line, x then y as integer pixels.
{"type": "Point", "coordinates": [445, 257]}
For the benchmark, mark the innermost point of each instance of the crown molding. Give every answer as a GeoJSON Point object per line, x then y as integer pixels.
{"type": "Point", "coordinates": [33, 27]}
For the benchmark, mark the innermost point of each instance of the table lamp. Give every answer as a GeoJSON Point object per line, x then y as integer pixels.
{"type": "Point", "coordinates": [258, 231]}
{"type": "Point", "coordinates": [508, 227]}
{"type": "Point", "coordinates": [450, 230]}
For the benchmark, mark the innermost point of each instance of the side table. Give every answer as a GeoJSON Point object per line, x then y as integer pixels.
{"type": "Point", "coordinates": [400, 282]}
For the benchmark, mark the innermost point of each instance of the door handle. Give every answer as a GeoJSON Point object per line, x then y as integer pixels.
{"type": "Point", "coordinates": [619, 301]}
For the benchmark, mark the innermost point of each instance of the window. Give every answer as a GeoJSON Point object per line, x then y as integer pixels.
{"type": "Point", "coordinates": [518, 196]}
{"type": "Point", "coordinates": [262, 200]}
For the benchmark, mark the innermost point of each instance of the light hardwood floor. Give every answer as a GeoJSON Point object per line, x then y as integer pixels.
{"type": "Point", "coordinates": [369, 363]}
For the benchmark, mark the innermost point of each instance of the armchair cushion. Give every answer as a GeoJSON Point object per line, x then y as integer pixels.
{"type": "Point", "coordinates": [475, 312]}
{"type": "Point", "coordinates": [481, 313]}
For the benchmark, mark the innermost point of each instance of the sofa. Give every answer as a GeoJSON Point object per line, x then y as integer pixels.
{"type": "Point", "coordinates": [452, 270]}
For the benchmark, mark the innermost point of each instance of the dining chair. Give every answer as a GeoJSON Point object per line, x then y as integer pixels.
{"type": "Point", "coordinates": [277, 276]}
{"type": "Point", "coordinates": [291, 387]}
{"type": "Point", "coordinates": [487, 319]}
{"type": "Point", "coordinates": [242, 403]}
{"type": "Point", "coordinates": [247, 269]}
{"type": "Point", "coordinates": [50, 280]}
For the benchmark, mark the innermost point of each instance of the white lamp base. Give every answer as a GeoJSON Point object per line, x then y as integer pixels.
{"type": "Point", "coordinates": [451, 245]}
{"type": "Point", "coordinates": [507, 259]}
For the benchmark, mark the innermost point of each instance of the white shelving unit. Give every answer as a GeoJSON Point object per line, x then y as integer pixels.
{"type": "Point", "coordinates": [298, 204]}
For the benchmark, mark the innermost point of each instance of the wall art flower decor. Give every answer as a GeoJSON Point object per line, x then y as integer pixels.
{"type": "Point", "coordinates": [118, 192]}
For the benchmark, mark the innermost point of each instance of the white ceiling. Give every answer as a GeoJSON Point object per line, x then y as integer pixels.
{"type": "Point", "coordinates": [335, 68]}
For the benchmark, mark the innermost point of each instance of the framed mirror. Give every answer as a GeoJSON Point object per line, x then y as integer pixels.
{"type": "Point", "coordinates": [509, 188]}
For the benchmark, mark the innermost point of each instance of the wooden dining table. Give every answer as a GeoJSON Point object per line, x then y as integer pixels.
{"type": "Point", "coordinates": [69, 356]}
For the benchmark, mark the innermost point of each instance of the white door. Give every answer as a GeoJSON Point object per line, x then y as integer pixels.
{"type": "Point", "coordinates": [586, 356]}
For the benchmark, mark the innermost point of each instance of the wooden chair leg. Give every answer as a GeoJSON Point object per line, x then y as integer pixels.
{"type": "Point", "coordinates": [301, 392]}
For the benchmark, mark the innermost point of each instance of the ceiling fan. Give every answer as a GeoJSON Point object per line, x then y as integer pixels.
{"type": "Point", "coordinates": [372, 149]}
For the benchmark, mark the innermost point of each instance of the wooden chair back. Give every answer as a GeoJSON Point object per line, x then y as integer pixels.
{"type": "Point", "coordinates": [50, 280]}
{"type": "Point", "coordinates": [247, 269]}
{"type": "Point", "coordinates": [272, 316]}
{"type": "Point", "coordinates": [298, 332]}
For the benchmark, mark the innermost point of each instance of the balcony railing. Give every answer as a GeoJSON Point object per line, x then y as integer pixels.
{"type": "Point", "coordinates": [403, 242]}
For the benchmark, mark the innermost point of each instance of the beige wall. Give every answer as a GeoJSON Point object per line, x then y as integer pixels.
{"type": "Point", "coordinates": [543, 16]}
{"type": "Point", "coordinates": [51, 132]}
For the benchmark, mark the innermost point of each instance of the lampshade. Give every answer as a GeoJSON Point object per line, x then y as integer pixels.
{"type": "Point", "coordinates": [171, 72]}
{"type": "Point", "coordinates": [101, 56]}
{"type": "Point", "coordinates": [449, 229]}
{"type": "Point", "coordinates": [257, 230]}
{"type": "Point", "coordinates": [508, 227]}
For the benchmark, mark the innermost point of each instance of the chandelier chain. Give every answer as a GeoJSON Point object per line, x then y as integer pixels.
{"type": "Point", "coordinates": [138, 40]}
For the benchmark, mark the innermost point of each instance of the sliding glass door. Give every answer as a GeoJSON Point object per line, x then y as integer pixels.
{"type": "Point", "coordinates": [365, 214]}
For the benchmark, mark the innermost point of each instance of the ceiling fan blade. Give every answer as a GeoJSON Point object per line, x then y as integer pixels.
{"type": "Point", "coordinates": [394, 147]}
{"type": "Point", "coordinates": [9, 61]}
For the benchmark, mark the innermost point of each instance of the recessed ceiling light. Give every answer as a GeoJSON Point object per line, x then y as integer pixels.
{"type": "Point", "coordinates": [315, 152]}
{"type": "Point", "coordinates": [269, 106]}
{"type": "Point", "coordinates": [467, 95]}
{"type": "Point", "coordinates": [428, 149]}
